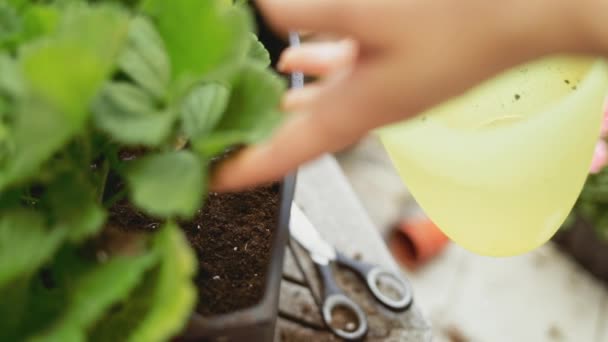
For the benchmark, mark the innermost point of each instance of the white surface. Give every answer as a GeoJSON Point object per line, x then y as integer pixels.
{"type": "Point", "coordinates": [537, 297]}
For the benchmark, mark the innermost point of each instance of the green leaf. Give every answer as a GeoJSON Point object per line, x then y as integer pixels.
{"type": "Point", "coordinates": [135, 113]}
{"type": "Point", "coordinates": [145, 59]}
{"type": "Point", "coordinates": [25, 244]}
{"type": "Point", "coordinates": [25, 154]}
{"type": "Point", "coordinates": [252, 112]}
{"type": "Point", "coordinates": [161, 305]}
{"type": "Point", "coordinates": [18, 3]}
{"type": "Point", "coordinates": [18, 26]}
{"type": "Point", "coordinates": [67, 68]}
{"type": "Point", "coordinates": [74, 206]}
{"type": "Point", "coordinates": [203, 108]}
{"type": "Point", "coordinates": [202, 37]}
{"type": "Point", "coordinates": [129, 99]}
{"type": "Point", "coordinates": [13, 305]}
{"type": "Point", "coordinates": [92, 290]}
{"type": "Point", "coordinates": [217, 143]}
{"type": "Point", "coordinates": [39, 20]}
{"type": "Point", "coordinates": [130, 116]}
{"type": "Point", "coordinates": [255, 100]}
{"type": "Point", "coordinates": [41, 303]}
{"type": "Point", "coordinates": [11, 80]}
{"type": "Point", "coordinates": [11, 88]}
{"type": "Point", "coordinates": [10, 25]}
{"type": "Point", "coordinates": [167, 185]}
{"type": "Point", "coordinates": [257, 51]}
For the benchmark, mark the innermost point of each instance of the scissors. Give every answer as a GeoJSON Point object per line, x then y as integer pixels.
{"type": "Point", "coordinates": [333, 298]}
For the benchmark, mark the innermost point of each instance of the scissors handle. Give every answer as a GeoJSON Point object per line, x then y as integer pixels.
{"type": "Point", "coordinates": [375, 277]}
{"type": "Point", "coordinates": [333, 300]}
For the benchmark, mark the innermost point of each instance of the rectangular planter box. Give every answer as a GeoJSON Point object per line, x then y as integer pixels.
{"type": "Point", "coordinates": [256, 323]}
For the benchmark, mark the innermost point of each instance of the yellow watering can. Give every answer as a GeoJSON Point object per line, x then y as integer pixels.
{"type": "Point", "coordinates": [499, 168]}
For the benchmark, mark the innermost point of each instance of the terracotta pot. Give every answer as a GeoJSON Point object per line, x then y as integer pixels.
{"type": "Point", "coordinates": [415, 241]}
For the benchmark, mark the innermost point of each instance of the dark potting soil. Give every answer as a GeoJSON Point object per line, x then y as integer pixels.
{"type": "Point", "coordinates": [231, 236]}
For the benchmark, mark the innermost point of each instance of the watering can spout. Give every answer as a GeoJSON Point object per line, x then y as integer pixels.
{"type": "Point", "coordinates": [499, 168]}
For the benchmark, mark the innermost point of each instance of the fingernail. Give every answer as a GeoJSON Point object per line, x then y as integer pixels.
{"type": "Point", "coordinates": [281, 65]}
{"type": "Point", "coordinates": [235, 173]}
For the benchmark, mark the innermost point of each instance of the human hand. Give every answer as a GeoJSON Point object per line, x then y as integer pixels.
{"type": "Point", "coordinates": [398, 58]}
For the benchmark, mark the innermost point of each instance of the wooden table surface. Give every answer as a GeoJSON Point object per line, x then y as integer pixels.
{"type": "Point", "coordinates": [325, 195]}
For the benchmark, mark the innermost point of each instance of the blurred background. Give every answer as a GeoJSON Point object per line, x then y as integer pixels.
{"type": "Point", "coordinates": [552, 294]}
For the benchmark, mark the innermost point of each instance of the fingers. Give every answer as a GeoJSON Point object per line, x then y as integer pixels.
{"type": "Point", "coordinates": [318, 59]}
{"type": "Point", "coordinates": [336, 16]}
{"type": "Point", "coordinates": [301, 139]}
{"type": "Point", "coordinates": [296, 100]}
{"type": "Point", "coordinates": [338, 116]}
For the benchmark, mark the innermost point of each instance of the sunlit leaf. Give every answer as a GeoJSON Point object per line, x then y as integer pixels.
{"type": "Point", "coordinates": [67, 68]}
{"type": "Point", "coordinates": [202, 37]}
{"type": "Point", "coordinates": [39, 20]}
{"type": "Point", "coordinates": [10, 25]}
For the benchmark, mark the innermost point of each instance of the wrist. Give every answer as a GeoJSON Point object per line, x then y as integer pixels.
{"type": "Point", "coordinates": [576, 26]}
{"type": "Point", "coordinates": [544, 27]}
{"type": "Point", "coordinates": [594, 23]}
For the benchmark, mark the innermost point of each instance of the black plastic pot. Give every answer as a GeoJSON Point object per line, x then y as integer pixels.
{"type": "Point", "coordinates": [255, 323]}
{"type": "Point", "coordinates": [584, 245]}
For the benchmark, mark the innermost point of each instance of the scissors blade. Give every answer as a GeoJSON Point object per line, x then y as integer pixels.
{"type": "Point", "coordinates": [306, 235]}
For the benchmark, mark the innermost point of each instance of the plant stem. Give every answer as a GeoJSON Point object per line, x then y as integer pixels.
{"type": "Point", "coordinates": [115, 198]}
{"type": "Point", "coordinates": [105, 170]}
